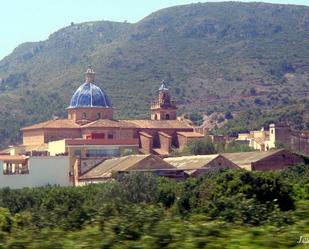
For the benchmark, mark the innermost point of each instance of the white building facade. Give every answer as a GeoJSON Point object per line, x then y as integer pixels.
{"type": "Point", "coordinates": [35, 172]}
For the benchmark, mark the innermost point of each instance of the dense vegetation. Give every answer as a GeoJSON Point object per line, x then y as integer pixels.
{"type": "Point", "coordinates": [214, 56]}
{"type": "Point", "coordinates": [206, 147]}
{"type": "Point", "coordinates": [296, 114]}
{"type": "Point", "coordinates": [227, 209]}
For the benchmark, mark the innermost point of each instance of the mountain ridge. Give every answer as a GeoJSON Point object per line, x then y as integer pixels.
{"type": "Point", "coordinates": [257, 52]}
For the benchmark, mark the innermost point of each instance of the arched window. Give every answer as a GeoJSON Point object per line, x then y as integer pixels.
{"type": "Point", "coordinates": [167, 116]}
{"type": "Point", "coordinates": [84, 115]}
{"type": "Point", "coordinates": [98, 115]}
{"type": "Point", "coordinates": [155, 116]}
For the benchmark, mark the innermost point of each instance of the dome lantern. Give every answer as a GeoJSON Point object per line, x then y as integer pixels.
{"type": "Point", "coordinates": [90, 75]}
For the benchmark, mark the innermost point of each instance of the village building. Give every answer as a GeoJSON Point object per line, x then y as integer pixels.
{"type": "Point", "coordinates": [90, 145]}
{"type": "Point", "coordinates": [106, 169]}
{"type": "Point", "coordinates": [259, 140]}
{"type": "Point", "coordinates": [278, 135]}
{"type": "Point", "coordinates": [90, 131]}
{"type": "Point", "coordinates": [195, 166]}
{"type": "Point", "coordinates": [90, 122]}
{"type": "Point", "coordinates": [276, 159]}
{"type": "Point", "coordinates": [23, 171]}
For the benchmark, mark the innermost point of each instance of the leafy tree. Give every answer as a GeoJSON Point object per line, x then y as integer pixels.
{"type": "Point", "coordinates": [235, 146]}
{"type": "Point", "coordinates": [196, 118]}
{"type": "Point", "coordinates": [228, 205]}
{"type": "Point", "coordinates": [200, 147]}
{"type": "Point", "coordinates": [228, 115]}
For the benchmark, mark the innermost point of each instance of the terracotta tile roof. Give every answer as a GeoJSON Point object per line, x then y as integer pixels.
{"type": "Point", "coordinates": [164, 134]}
{"type": "Point", "coordinates": [53, 124]}
{"type": "Point", "coordinates": [152, 124]}
{"type": "Point", "coordinates": [160, 124]}
{"type": "Point", "coordinates": [191, 134]}
{"type": "Point", "coordinates": [145, 134]}
{"type": "Point", "coordinates": [109, 123]}
{"type": "Point", "coordinates": [259, 140]}
{"type": "Point", "coordinates": [13, 158]}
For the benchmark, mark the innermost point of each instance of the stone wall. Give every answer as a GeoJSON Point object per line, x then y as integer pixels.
{"type": "Point", "coordinates": [33, 137]}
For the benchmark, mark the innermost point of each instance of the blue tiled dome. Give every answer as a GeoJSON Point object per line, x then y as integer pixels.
{"type": "Point", "coordinates": [89, 95]}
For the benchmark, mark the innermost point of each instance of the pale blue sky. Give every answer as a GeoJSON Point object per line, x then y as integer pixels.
{"type": "Point", "coordinates": [34, 20]}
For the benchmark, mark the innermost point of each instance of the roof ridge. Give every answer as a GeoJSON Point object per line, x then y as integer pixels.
{"type": "Point", "coordinates": [193, 156]}
{"type": "Point", "coordinates": [119, 160]}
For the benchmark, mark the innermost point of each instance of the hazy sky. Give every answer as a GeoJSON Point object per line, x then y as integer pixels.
{"type": "Point", "coordinates": [34, 20]}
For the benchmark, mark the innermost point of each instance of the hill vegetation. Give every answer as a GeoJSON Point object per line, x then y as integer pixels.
{"type": "Point", "coordinates": [228, 209]}
{"type": "Point", "coordinates": [257, 52]}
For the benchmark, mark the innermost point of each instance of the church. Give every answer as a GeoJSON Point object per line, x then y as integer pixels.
{"type": "Point", "coordinates": [91, 130]}
{"type": "Point", "coordinates": [90, 145]}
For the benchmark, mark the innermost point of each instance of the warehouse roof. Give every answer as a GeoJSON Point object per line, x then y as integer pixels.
{"type": "Point", "coordinates": [132, 162]}
{"type": "Point", "coordinates": [190, 162]}
{"type": "Point", "coordinates": [244, 159]}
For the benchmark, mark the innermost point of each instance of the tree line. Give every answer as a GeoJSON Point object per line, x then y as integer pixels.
{"type": "Point", "coordinates": [222, 209]}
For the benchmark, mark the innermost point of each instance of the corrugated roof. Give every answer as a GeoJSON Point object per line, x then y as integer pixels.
{"type": "Point", "coordinates": [107, 167]}
{"type": "Point", "coordinates": [190, 162]}
{"type": "Point", "coordinates": [242, 158]}
{"type": "Point", "coordinates": [53, 124]}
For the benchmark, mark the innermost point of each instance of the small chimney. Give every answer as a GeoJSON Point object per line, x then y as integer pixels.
{"type": "Point", "coordinates": [89, 75]}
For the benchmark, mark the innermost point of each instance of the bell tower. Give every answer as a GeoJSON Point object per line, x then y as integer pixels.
{"type": "Point", "coordinates": [163, 108]}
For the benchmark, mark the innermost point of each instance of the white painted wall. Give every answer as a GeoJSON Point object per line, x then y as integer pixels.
{"type": "Point", "coordinates": [56, 147]}
{"type": "Point", "coordinates": [42, 171]}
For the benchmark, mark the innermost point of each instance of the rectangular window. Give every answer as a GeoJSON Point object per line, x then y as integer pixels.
{"type": "Point", "coordinates": [15, 168]}
{"type": "Point", "coordinates": [103, 152]}
{"type": "Point", "coordinates": [110, 136]}
{"type": "Point", "coordinates": [77, 152]}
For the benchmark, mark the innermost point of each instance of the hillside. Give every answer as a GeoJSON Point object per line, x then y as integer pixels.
{"type": "Point", "coordinates": [214, 56]}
